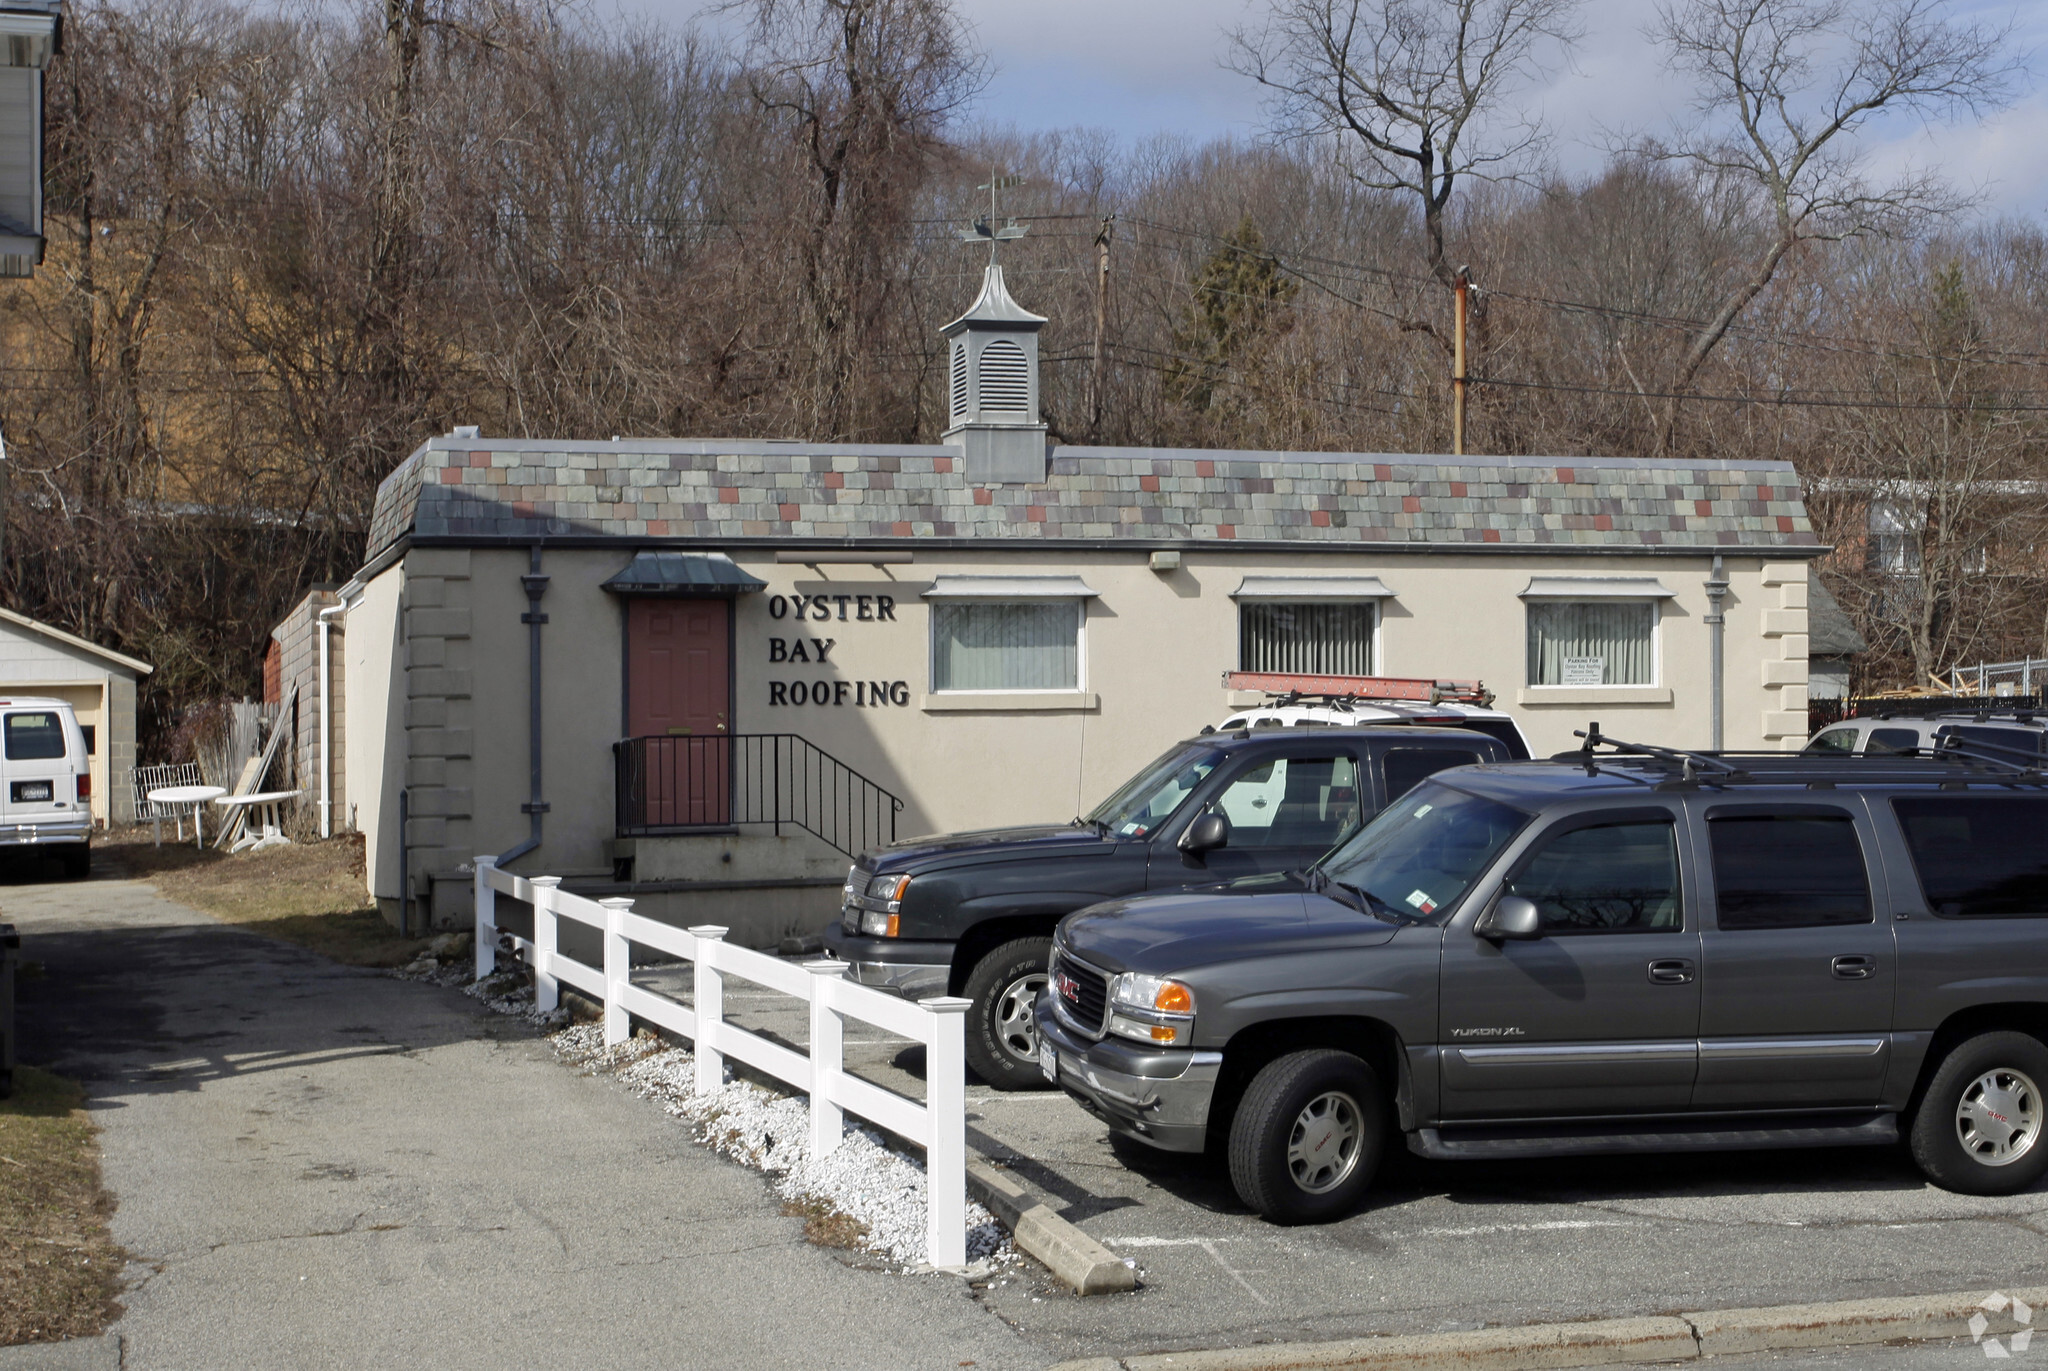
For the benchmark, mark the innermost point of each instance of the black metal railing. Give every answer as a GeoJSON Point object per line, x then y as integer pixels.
{"type": "Point", "coordinates": [690, 783]}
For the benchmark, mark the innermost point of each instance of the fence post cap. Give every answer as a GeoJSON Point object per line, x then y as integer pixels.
{"type": "Point", "coordinates": [711, 931]}
{"type": "Point", "coordinates": [616, 902]}
{"type": "Point", "coordinates": [827, 967]}
{"type": "Point", "coordinates": [549, 881]}
{"type": "Point", "coordinates": [947, 1004]}
{"type": "Point", "coordinates": [486, 859]}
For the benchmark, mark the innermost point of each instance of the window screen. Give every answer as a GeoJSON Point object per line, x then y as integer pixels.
{"type": "Point", "coordinates": [1320, 639]}
{"type": "Point", "coordinates": [1978, 856]}
{"type": "Point", "coordinates": [1030, 646]}
{"type": "Point", "coordinates": [34, 737]}
{"type": "Point", "coordinates": [1788, 871]}
{"type": "Point", "coordinates": [1407, 767]}
{"type": "Point", "coordinates": [1616, 878]}
{"type": "Point", "coordinates": [1599, 642]}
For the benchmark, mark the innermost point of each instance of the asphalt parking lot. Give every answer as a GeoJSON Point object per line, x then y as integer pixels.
{"type": "Point", "coordinates": [1445, 1246]}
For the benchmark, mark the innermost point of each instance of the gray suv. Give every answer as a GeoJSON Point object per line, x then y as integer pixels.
{"type": "Point", "coordinates": [1630, 950]}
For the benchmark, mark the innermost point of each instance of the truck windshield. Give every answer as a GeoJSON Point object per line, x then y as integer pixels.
{"type": "Point", "coordinates": [1423, 851]}
{"type": "Point", "coordinates": [1149, 798]}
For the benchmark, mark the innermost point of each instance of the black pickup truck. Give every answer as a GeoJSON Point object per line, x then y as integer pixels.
{"type": "Point", "coordinates": [973, 913]}
{"type": "Point", "coordinates": [1629, 951]}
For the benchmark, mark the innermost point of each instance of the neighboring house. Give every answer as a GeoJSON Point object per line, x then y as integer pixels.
{"type": "Point", "coordinates": [314, 761]}
{"type": "Point", "coordinates": [99, 683]}
{"type": "Point", "coordinates": [699, 672]}
{"type": "Point", "coordinates": [1832, 645]}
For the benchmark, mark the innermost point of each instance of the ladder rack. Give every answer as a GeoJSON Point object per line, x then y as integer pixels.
{"type": "Point", "coordinates": [1342, 688]}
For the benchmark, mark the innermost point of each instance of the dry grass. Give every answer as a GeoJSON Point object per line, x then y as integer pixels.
{"type": "Point", "coordinates": [58, 1263]}
{"type": "Point", "coordinates": [310, 893]}
{"type": "Point", "coordinates": [825, 1226]}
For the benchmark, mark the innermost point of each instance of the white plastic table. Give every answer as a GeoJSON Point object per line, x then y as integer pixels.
{"type": "Point", "coordinates": [193, 796]}
{"type": "Point", "coordinates": [263, 805]}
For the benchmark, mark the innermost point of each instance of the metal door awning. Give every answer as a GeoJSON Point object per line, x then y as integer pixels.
{"type": "Point", "coordinates": [683, 573]}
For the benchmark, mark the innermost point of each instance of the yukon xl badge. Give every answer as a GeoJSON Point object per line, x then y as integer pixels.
{"type": "Point", "coordinates": [1487, 1033]}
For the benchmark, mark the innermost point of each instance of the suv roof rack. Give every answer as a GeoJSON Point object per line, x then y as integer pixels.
{"type": "Point", "coordinates": [1952, 763]}
{"type": "Point", "coordinates": [1287, 688]}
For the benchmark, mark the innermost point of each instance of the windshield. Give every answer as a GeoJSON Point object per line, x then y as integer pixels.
{"type": "Point", "coordinates": [1423, 851]}
{"type": "Point", "coordinates": [1149, 798]}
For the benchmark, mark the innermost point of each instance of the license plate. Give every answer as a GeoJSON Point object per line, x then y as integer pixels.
{"type": "Point", "coordinates": [31, 790]}
{"type": "Point", "coordinates": [1048, 1061]}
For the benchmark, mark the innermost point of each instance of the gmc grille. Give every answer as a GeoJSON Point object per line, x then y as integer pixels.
{"type": "Point", "coordinates": [1080, 994]}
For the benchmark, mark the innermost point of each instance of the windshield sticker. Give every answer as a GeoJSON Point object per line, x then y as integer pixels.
{"type": "Point", "coordinates": [1420, 899]}
{"type": "Point", "coordinates": [1424, 810]}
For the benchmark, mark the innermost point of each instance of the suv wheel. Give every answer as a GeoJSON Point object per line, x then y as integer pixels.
{"type": "Point", "coordinates": [1307, 1136]}
{"type": "Point", "coordinates": [1978, 1128]}
{"type": "Point", "coordinates": [1002, 1040]}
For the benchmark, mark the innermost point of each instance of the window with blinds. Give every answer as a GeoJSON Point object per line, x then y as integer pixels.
{"type": "Point", "coordinates": [1005, 377]}
{"type": "Point", "coordinates": [959, 381]}
{"type": "Point", "coordinates": [1331, 638]}
{"type": "Point", "coordinates": [1592, 642]}
{"type": "Point", "coordinates": [1006, 646]}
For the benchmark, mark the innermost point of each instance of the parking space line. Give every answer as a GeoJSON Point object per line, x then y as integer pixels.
{"type": "Point", "coordinates": [1207, 1245]}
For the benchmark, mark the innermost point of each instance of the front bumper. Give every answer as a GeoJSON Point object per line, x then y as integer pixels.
{"type": "Point", "coordinates": [63, 830]}
{"type": "Point", "coordinates": [1161, 1098]}
{"type": "Point", "coordinates": [911, 969]}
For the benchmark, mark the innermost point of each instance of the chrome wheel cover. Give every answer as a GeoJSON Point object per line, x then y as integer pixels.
{"type": "Point", "coordinates": [1323, 1144]}
{"type": "Point", "coordinates": [1011, 1018]}
{"type": "Point", "coordinates": [1998, 1118]}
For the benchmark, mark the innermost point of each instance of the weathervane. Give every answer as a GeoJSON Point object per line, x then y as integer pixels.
{"type": "Point", "coordinates": [986, 229]}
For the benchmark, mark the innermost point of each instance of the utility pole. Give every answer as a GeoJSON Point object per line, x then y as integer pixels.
{"type": "Point", "coordinates": [1462, 295]}
{"type": "Point", "coordinates": [1101, 325]}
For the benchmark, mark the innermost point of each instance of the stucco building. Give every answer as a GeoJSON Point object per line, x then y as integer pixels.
{"type": "Point", "coordinates": [699, 671]}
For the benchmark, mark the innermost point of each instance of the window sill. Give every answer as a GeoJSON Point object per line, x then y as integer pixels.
{"type": "Point", "coordinates": [1009, 702]}
{"type": "Point", "coordinates": [1593, 695]}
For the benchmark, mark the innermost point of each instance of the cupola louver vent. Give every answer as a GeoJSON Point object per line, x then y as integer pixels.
{"type": "Point", "coordinates": [1005, 378]}
{"type": "Point", "coordinates": [959, 382]}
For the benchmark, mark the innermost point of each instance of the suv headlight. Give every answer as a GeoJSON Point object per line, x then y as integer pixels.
{"type": "Point", "coordinates": [1151, 1009]}
{"type": "Point", "coordinates": [882, 923]}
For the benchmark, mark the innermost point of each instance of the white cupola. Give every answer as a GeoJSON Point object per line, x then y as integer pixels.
{"type": "Point", "coordinates": [992, 387]}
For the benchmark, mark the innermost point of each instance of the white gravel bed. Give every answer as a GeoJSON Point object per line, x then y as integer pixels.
{"type": "Point", "coordinates": [863, 1178]}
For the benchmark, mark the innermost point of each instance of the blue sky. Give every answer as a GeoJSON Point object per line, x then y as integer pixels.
{"type": "Point", "coordinates": [1143, 67]}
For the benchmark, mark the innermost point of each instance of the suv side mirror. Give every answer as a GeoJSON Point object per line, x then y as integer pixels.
{"type": "Point", "coordinates": [1512, 918]}
{"type": "Point", "coordinates": [1206, 834]}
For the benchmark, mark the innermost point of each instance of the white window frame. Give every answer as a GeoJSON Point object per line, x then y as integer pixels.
{"type": "Point", "coordinates": [1656, 640]}
{"type": "Point", "coordinates": [1008, 590]}
{"type": "Point", "coordinates": [1312, 590]}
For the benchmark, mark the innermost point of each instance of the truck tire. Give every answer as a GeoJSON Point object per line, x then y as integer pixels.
{"type": "Point", "coordinates": [1002, 1040]}
{"type": "Point", "coordinates": [1307, 1136]}
{"type": "Point", "coordinates": [1978, 1129]}
{"type": "Point", "coordinates": [78, 862]}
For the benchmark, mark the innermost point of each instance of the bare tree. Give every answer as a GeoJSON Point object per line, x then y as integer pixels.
{"type": "Point", "coordinates": [1419, 92]}
{"type": "Point", "coordinates": [1785, 85]}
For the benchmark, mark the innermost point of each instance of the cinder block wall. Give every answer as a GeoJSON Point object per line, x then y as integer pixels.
{"type": "Point", "coordinates": [298, 640]}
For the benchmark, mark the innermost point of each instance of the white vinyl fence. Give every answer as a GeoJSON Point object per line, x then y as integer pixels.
{"type": "Point", "coordinates": [939, 1124]}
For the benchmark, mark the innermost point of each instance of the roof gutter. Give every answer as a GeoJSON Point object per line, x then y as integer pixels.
{"type": "Point", "coordinates": [326, 618]}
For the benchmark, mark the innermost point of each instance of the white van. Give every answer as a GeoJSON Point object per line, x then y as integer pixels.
{"type": "Point", "coordinates": [45, 781]}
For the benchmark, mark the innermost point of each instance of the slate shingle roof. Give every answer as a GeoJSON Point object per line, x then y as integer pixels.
{"type": "Point", "coordinates": [464, 488]}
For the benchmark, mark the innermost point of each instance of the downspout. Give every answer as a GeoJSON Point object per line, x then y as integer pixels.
{"type": "Point", "coordinates": [536, 586]}
{"type": "Point", "coordinates": [1717, 591]}
{"type": "Point", "coordinates": [326, 619]}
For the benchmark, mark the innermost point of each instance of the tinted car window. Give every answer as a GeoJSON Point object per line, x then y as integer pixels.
{"type": "Point", "coordinates": [1153, 794]}
{"type": "Point", "coordinates": [1977, 856]}
{"type": "Point", "coordinates": [34, 737]}
{"type": "Point", "coordinates": [1292, 802]}
{"type": "Point", "coordinates": [1404, 768]}
{"type": "Point", "coordinates": [2020, 745]}
{"type": "Point", "coordinates": [1891, 741]}
{"type": "Point", "coordinates": [1615, 878]}
{"type": "Point", "coordinates": [1788, 871]}
{"type": "Point", "coordinates": [1834, 740]}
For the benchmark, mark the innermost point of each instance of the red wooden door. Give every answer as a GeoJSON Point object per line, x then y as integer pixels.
{"type": "Point", "coordinates": [678, 698]}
